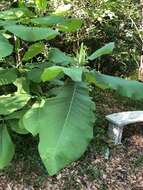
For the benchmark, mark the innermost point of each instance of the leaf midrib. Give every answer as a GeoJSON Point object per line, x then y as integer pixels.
{"type": "Point", "coordinates": [67, 118]}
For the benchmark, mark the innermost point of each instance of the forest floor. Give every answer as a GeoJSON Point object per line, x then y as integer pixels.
{"type": "Point", "coordinates": [102, 167]}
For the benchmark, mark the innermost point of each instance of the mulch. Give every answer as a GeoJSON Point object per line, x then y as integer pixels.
{"type": "Point", "coordinates": [123, 170]}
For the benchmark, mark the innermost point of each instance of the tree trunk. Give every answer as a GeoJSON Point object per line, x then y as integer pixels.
{"type": "Point", "coordinates": [140, 76]}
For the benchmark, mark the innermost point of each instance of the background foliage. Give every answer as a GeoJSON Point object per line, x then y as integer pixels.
{"type": "Point", "coordinates": [106, 21]}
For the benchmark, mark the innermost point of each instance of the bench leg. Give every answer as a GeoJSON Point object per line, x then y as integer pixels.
{"type": "Point", "coordinates": [115, 133]}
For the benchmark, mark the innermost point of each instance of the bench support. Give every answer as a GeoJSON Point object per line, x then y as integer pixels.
{"type": "Point", "coordinates": [115, 133]}
{"type": "Point", "coordinates": [117, 121]}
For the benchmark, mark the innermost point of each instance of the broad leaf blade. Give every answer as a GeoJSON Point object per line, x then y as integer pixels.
{"type": "Point", "coordinates": [17, 126]}
{"type": "Point", "coordinates": [48, 20]}
{"type": "Point", "coordinates": [32, 125]}
{"type": "Point", "coordinates": [62, 138]}
{"type": "Point", "coordinates": [74, 73]}
{"type": "Point", "coordinates": [35, 74]}
{"type": "Point", "coordinates": [7, 76]}
{"type": "Point", "coordinates": [58, 57]}
{"type": "Point", "coordinates": [70, 25]}
{"type": "Point", "coordinates": [11, 103]}
{"type": "Point", "coordinates": [32, 34]}
{"type": "Point", "coordinates": [5, 47]}
{"type": "Point", "coordinates": [7, 22]}
{"type": "Point", "coordinates": [33, 50]}
{"type": "Point", "coordinates": [129, 88]}
{"type": "Point", "coordinates": [52, 72]}
{"type": "Point", "coordinates": [35, 71]}
{"type": "Point", "coordinates": [107, 49]}
{"type": "Point", "coordinates": [6, 147]}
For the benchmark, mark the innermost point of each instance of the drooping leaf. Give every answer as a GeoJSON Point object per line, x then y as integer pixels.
{"type": "Point", "coordinates": [5, 47]}
{"type": "Point", "coordinates": [62, 138]}
{"type": "Point", "coordinates": [17, 126]}
{"type": "Point", "coordinates": [52, 72]}
{"type": "Point", "coordinates": [70, 25]}
{"type": "Point", "coordinates": [15, 13]}
{"type": "Point", "coordinates": [7, 76]}
{"type": "Point", "coordinates": [129, 88]}
{"type": "Point", "coordinates": [33, 50]}
{"type": "Point", "coordinates": [32, 34]}
{"type": "Point", "coordinates": [107, 49]}
{"type": "Point", "coordinates": [11, 103]}
{"type": "Point", "coordinates": [58, 57]}
{"type": "Point", "coordinates": [6, 147]}
{"type": "Point", "coordinates": [30, 123]}
{"type": "Point", "coordinates": [48, 20]}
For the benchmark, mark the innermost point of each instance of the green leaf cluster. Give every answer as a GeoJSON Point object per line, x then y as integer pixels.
{"type": "Point", "coordinates": [49, 98]}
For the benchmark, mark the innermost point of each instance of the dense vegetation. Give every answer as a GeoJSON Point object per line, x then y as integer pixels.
{"type": "Point", "coordinates": [106, 21]}
{"type": "Point", "coordinates": [45, 91]}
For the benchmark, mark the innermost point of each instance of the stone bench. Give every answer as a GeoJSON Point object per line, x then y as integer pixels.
{"type": "Point", "coordinates": [117, 121]}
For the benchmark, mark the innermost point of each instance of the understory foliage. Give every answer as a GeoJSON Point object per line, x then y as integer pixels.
{"type": "Point", "coordinates": [104, 21]}
{"type": "Point", "coordinates": [44, 91]}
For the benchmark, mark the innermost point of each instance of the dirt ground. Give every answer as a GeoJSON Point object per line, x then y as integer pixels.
{"type": "Point", "coordinates": [102, 167]}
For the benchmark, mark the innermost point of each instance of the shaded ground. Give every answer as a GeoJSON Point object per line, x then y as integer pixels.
{"type": "Point", "coordinates": [122, 171]}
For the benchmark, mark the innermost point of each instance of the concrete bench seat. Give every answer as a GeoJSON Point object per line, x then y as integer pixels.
{"type": "Point", "coordinates": [117, 121]}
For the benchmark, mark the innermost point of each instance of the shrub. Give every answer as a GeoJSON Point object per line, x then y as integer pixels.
{"type": "Point", "coordinates": [48, 95]}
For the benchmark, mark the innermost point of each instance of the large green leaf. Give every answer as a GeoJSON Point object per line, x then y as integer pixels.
{"type": "Point", "coordinates": [62, 138]}
{"type": "Point", "coordinates": [32, 125]}
{"type": "Point", "coordinates": [7, 22]}
{"type": "Point", "coordinates": [32, 34]}
{"type": "Point", "coordinates": [15, 13]}
{"type": "Point", "coordinates": [48, 20]}
{"type": "Point", "coordinates": [11, 103]}
{"type": "Point", "coordinates": [70, 25]}
{"type": "Point", "coordinates": [107, 49]}
{"type": "Point", "coordinates": [6, 147]}
{"type": "Point", "coordinates": [33, 50]}
{"type": "Point", "coordinates": [58, 57]}
{"type": "Point", "coordinates": [7, 76]}
{"type": "Point", "coordinates": [5, 47]}
{"type": "Point", "coordinates": [128, 88]}
{"type": "Point", "coordinates": [52, 72]}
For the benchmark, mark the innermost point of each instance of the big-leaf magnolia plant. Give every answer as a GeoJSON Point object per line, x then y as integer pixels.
{"type": "Point", "coordinates": [49, 98]}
